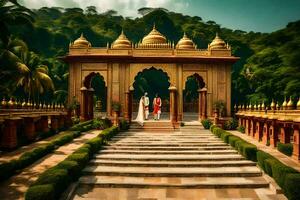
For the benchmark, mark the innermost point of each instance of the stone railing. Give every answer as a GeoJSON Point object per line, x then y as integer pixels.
{"type": "Point", "coordinates": [272, 124]}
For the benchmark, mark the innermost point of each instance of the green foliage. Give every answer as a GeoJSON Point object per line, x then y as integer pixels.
{"type": "Point", "coordinates": [40, 192]}
{"type": "Point", "coordinates": [232, 140]}
{"type": "Point", "coordinates": [220, 106]}
{"type": "Point", "coordinates": [241, 129]}
{"type": "Point", "coordinates": [116, 106]}
{"type": "Point", "coordinates": [95, 144]}
{"type": "Point", "coordinates": [268, 165]}
{"type": "Point", "coordinates": [7, 169]}
{"type": "Point", "coordinates": [261, 157]}
{"type": "Point", "coordinates": [217, 131]}
{"type": "Point", "coordinates": [72, 167]}
{"type": "Point", "coordinates": [83, 126]}
{"type": "Point", "coordinates": [206, 123]}
{"type": "Point", "coordinates": [279, 172]}
{"type": "Point", "coordinates": [286, 149]}
{"type": "Point", "coordinates": [249, 151]}
{"type": "Point", "coordinates": [101, 123]}
{"type": "Point", "coordinates": [63, 140]}
{"type": "Point", "coordinates": [124, 125]}
{"type": "Point", "coordinates": [291, 185]}
{"type": "Point", "coordinates": [231, 124]}
{"type": "Point", "coordinates": [225, 136]}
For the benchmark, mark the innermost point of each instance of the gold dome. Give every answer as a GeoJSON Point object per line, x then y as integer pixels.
{"type": "Point", "coordinates": [81, 42]}
{"type": "Point", "coordinates": [298, 104]}
{"type": "Point", "coordinates": [154, 37]}
{"type": "Point", "coordinates": [185, 43]}
{"type": "Point", "coordinates": [217, 43]}
{"type": "Point", "coordinates": [121, 42]}
{"type": "Point", "coordinates": [290, 103]}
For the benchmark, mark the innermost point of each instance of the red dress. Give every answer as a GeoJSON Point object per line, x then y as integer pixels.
{"type": "Point", "coordinates": [157, 105]}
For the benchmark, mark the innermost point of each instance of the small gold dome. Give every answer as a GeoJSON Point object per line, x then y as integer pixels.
{"type": "Point", "coordinates": [284, 104]}
{"type": "Point", "coordinates": [217, 43]}
{"type": "Point", "coordinates": [290, 103]}
{"type": "Point", "coordinates": [273, 105]}
{"type": "Point", "coordinates": [185, 43]}
{"type": "Point", "coordinates": [298, 104]}
{"type": "Point", "coordinates": [154, 37]}
{"type": "Point", "coordinates": [81, 42]}
{"type": "Point", "coordinates": [121, 42]}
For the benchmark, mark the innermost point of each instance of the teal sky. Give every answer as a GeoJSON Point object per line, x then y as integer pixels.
{"type": "Point", "coordinates": [247, 15]}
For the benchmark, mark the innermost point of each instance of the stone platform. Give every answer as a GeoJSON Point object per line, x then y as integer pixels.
{"type": "Point", "coordinates": [187, 164]}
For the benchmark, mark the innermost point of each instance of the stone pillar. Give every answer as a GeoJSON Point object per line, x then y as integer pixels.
{"type": "Point", "coordinates": [127, 106]}
{"type": "Point", "coordinates": [54, 123]}
{"type": "Point", "coordinates": [84, 103]}
{"type": "Point", "coordinates": [9, 136]}
{"type": "Point", "coordinates": [240, 121]}
{"type": "Point", "coordinates": [29, 128]}
{"type": "Point", "coordinates": [199, 105]}
{"type": "Point", "coordinates": [61, 122]}
{"type": "Point", "coordinates": [44, 124]}
{"type": "Point", "coordinates": [284, 134]}
{"type": "Point", "coordinates": [204, 103]}
{"type": "Point", "coordinates": [252, 127]}
{"type": "Point", "coordinates": [296, 144]}
{"type": "Point", "coordinates": [266, 135]}
{"type": "Point", "coordinates": [173, 116]}
{"type": "Point", "coordinates": [258, 131]}
{"type": "Point", "coordinates": [90, 103]}
{"type": "Point", "coordinates": [273, 130]}
{"type": "Point", "coordinates": [247, 126]}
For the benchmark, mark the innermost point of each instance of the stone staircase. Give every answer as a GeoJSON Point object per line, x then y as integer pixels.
{"type": "Point", "coordinates": [186, 164]}
{"type": "Point", "coordinates": [153, 126]}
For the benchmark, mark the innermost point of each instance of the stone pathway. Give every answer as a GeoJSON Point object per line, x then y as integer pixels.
{"type": "Point", "coordinates": [15, 187]}
{"type": "Point", "coordinates": [271, 150]}
{"type": "Point", "coordinates": [189, 164]}
{"type": "Point", "coordinates": [7, 156]}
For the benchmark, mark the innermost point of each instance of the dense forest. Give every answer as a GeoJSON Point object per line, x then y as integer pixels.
{"type": "Point", "coordinates": [32, 42]}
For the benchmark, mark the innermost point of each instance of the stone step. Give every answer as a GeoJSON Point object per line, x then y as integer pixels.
{"type": "Point", "coordinates": [168, 145]}
{"type": "Point", "coordinates": [174, 182]}
{"type": "Point", "coordinates": [195, 152]}
{"type": "Point", "coordinates": [247, 171]}
{"type": "Point", "coordinates": [179, 148]}
{"type": "Point", "coordinates": [170, 157]}
{"type": "Point", "coordinates": [227, 163]}
{"type": "Point", "coordinates": [165, 137]}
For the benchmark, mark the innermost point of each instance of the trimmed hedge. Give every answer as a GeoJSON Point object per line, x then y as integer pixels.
{"type": "Point", "coordinates": [8, 169]}
{"type": "Point", "coordinates": [261, 157]}
{"type": "Point", "coordinates": [232, 140]}
{"type": "Point", "coordinates": [286, 149]}
{"type": "Point", "coordinates": [206, 123]}
{"type": "Point", "coordinates": [56, 179]}
{"type": "Point", "coordinates": [291, 185]}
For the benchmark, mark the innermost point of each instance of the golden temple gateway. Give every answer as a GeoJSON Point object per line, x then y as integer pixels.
{"type": "Point", "coordinates": [120, 62]}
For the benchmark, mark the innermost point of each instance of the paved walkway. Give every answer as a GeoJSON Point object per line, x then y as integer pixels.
{"type": "Point", "coordinates": [191, 164]}
{"type": "Point", "coordinates": [15, 187]}
{"type": "Point", "coordinates": [271, 150]}
{"type": "Point", "coordinates": [7, 156]}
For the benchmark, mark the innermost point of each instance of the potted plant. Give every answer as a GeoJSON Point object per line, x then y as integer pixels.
{"type": "Point", "coordinates": [220, 106]}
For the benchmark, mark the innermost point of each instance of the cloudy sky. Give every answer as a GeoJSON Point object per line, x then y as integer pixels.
{"type": "Point", "coordinates": [248, 15]}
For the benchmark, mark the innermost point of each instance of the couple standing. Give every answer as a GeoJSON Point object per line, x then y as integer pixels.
{"type": "Point", "coordinates": [143, 112]}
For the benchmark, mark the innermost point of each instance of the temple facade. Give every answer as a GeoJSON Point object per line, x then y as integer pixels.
{"type": "Point", "coordinates": [120, 62]}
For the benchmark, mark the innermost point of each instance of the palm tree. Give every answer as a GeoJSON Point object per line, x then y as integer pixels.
{"type": "Point", "coordinates": [34, 80]}
{"type": "Point", "coordinates": [12, 13]}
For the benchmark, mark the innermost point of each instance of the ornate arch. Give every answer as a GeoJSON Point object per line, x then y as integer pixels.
{"type": "Point", "coordinates": [88, 75]}
{"type": "Point", "coordinates": [169, 70]}
{"type": "Point", "coordinates": [187, 74]}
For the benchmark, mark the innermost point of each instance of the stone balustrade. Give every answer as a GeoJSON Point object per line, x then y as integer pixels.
{"type": "Point", "coordinates": [272, 124]}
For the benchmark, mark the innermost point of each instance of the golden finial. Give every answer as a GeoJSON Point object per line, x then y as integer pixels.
{"type": "Point", "coordinates": [290, 104]}
{"type": "Point", "coordinates": [277, 106]}
{"type": "Point", "coordinates": [255, 106]}
{"type": "Point", "coordinates": [298, 104]}
{"type": "Point", "coordinates": [3, 103]}
{"type": "Point", "coordinates": [259, 106]}
{"type": "Point", "coordinates": [154, 27]}
{"type": "Point", "coordinates": [10, 102]}
{"type": "Point", "coordinates": [263, 105]}
{"type": "Point", "coordinates": [273, 106]}
{"type": "Point", "coordinates": [284, 104]}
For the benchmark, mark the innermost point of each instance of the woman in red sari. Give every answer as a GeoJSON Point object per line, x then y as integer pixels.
{"type": "Point", "coordinates": [156, 107]}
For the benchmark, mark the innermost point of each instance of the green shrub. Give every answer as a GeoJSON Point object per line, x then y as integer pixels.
{"type": "Point", "coordinates": [95, 144]}
{"type": "Point", "coordinates": [76, 134]}
{"type": "Point", "coordinates": [86, 148]}
{"type": "Point", "coordinates": [225, 136]}
{"type": "Point", "coordinates": [40, 192]}
{"type": "Point", "coordinates": [286, 149]}
{"type": "Point", "coordinates": [79, 127]}
{"type": "Point", "coordinates": [261, 157]}
{"type": "Point", "coordinates": [268, 165]}
{"type": "Point", "coordinates": [59, 178]}
{"type": "Point", "coordinates": [238, 143]}
{"type": "Point", "coordinates": [212, 127]}
{"type": "Point", "coordinates": [218, 131]}
{"type": "Point", "coordinates": [71, 166]}
{"type": "Point", "coordinates": [231, 124]}
{"type": "Point", "coordinates": [63, 140]}
{"type": "Point", "coordinates": [249, 151]}
{"type": "Point", "coordinates": [7, 169]}
{"type": "Point", "coordinates": [206, 123]}
{"type": "Point", "coordinates": [81, 158]}
{"type": "Point", "coordinates": [241, 129]}
{"type": "Point", "coordinates": [124, 125]}
{"type": "Point", "coordinates": [279, 172]}
{"type": "Point", "coordinates": [232, 139]}
{"type": "Point", "coordinates": [291, 185]}
{"type": "Point", "coordinates": [43, 135]}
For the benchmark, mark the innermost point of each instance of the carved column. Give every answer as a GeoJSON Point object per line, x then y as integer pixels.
{"type": "Point", "coordinates": [284, 134]}
{"type": "Point", "coordinates": [252, 127]}
{"type": "Point", "coordinates": [44, 124]}
{"type": "Point", "coordinates": [90, 103]}
{"type": "Point", "coordinates": [266, 135]}
{"type": "Point", "coordinates": [273, 134]}
{"type": "Point", "coordinates": [127, 106]}
{"type": "Point", "coordinates": [84, 104]}
{"type": "Point", "coordinates": [54, 123]}
{"type": "Point", "coordinates": [259, 131]}
{"type": "Point", "coordinates": [9, 136]}
{"type": "Point", "coordinates": [29, 128]}
{"type": "Point", "coordinates": [199, 105]}
{"type": "Point", "coordinates": [204, 103]}
{"type": "Point", "coordinates": [296, 144]}
{"type": "Point", "coordinates": [247, 126]}
{"type": "Point", "coordinates": [173, 112]}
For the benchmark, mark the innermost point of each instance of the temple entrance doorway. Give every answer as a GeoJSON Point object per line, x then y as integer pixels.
{"type": "Point", "coordinates": [153, 81]}
{"type": "Point", "coordinates": [191, 97]}
{"type": "Point", "coordinates": [94, 94]}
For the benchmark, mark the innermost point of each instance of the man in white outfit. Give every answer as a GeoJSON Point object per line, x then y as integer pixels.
{"type": "Point", "coordinates": [146, 105]}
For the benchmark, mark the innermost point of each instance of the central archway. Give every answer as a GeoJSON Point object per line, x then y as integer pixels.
{"type": "Point", "coordinates": [153, 81]}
